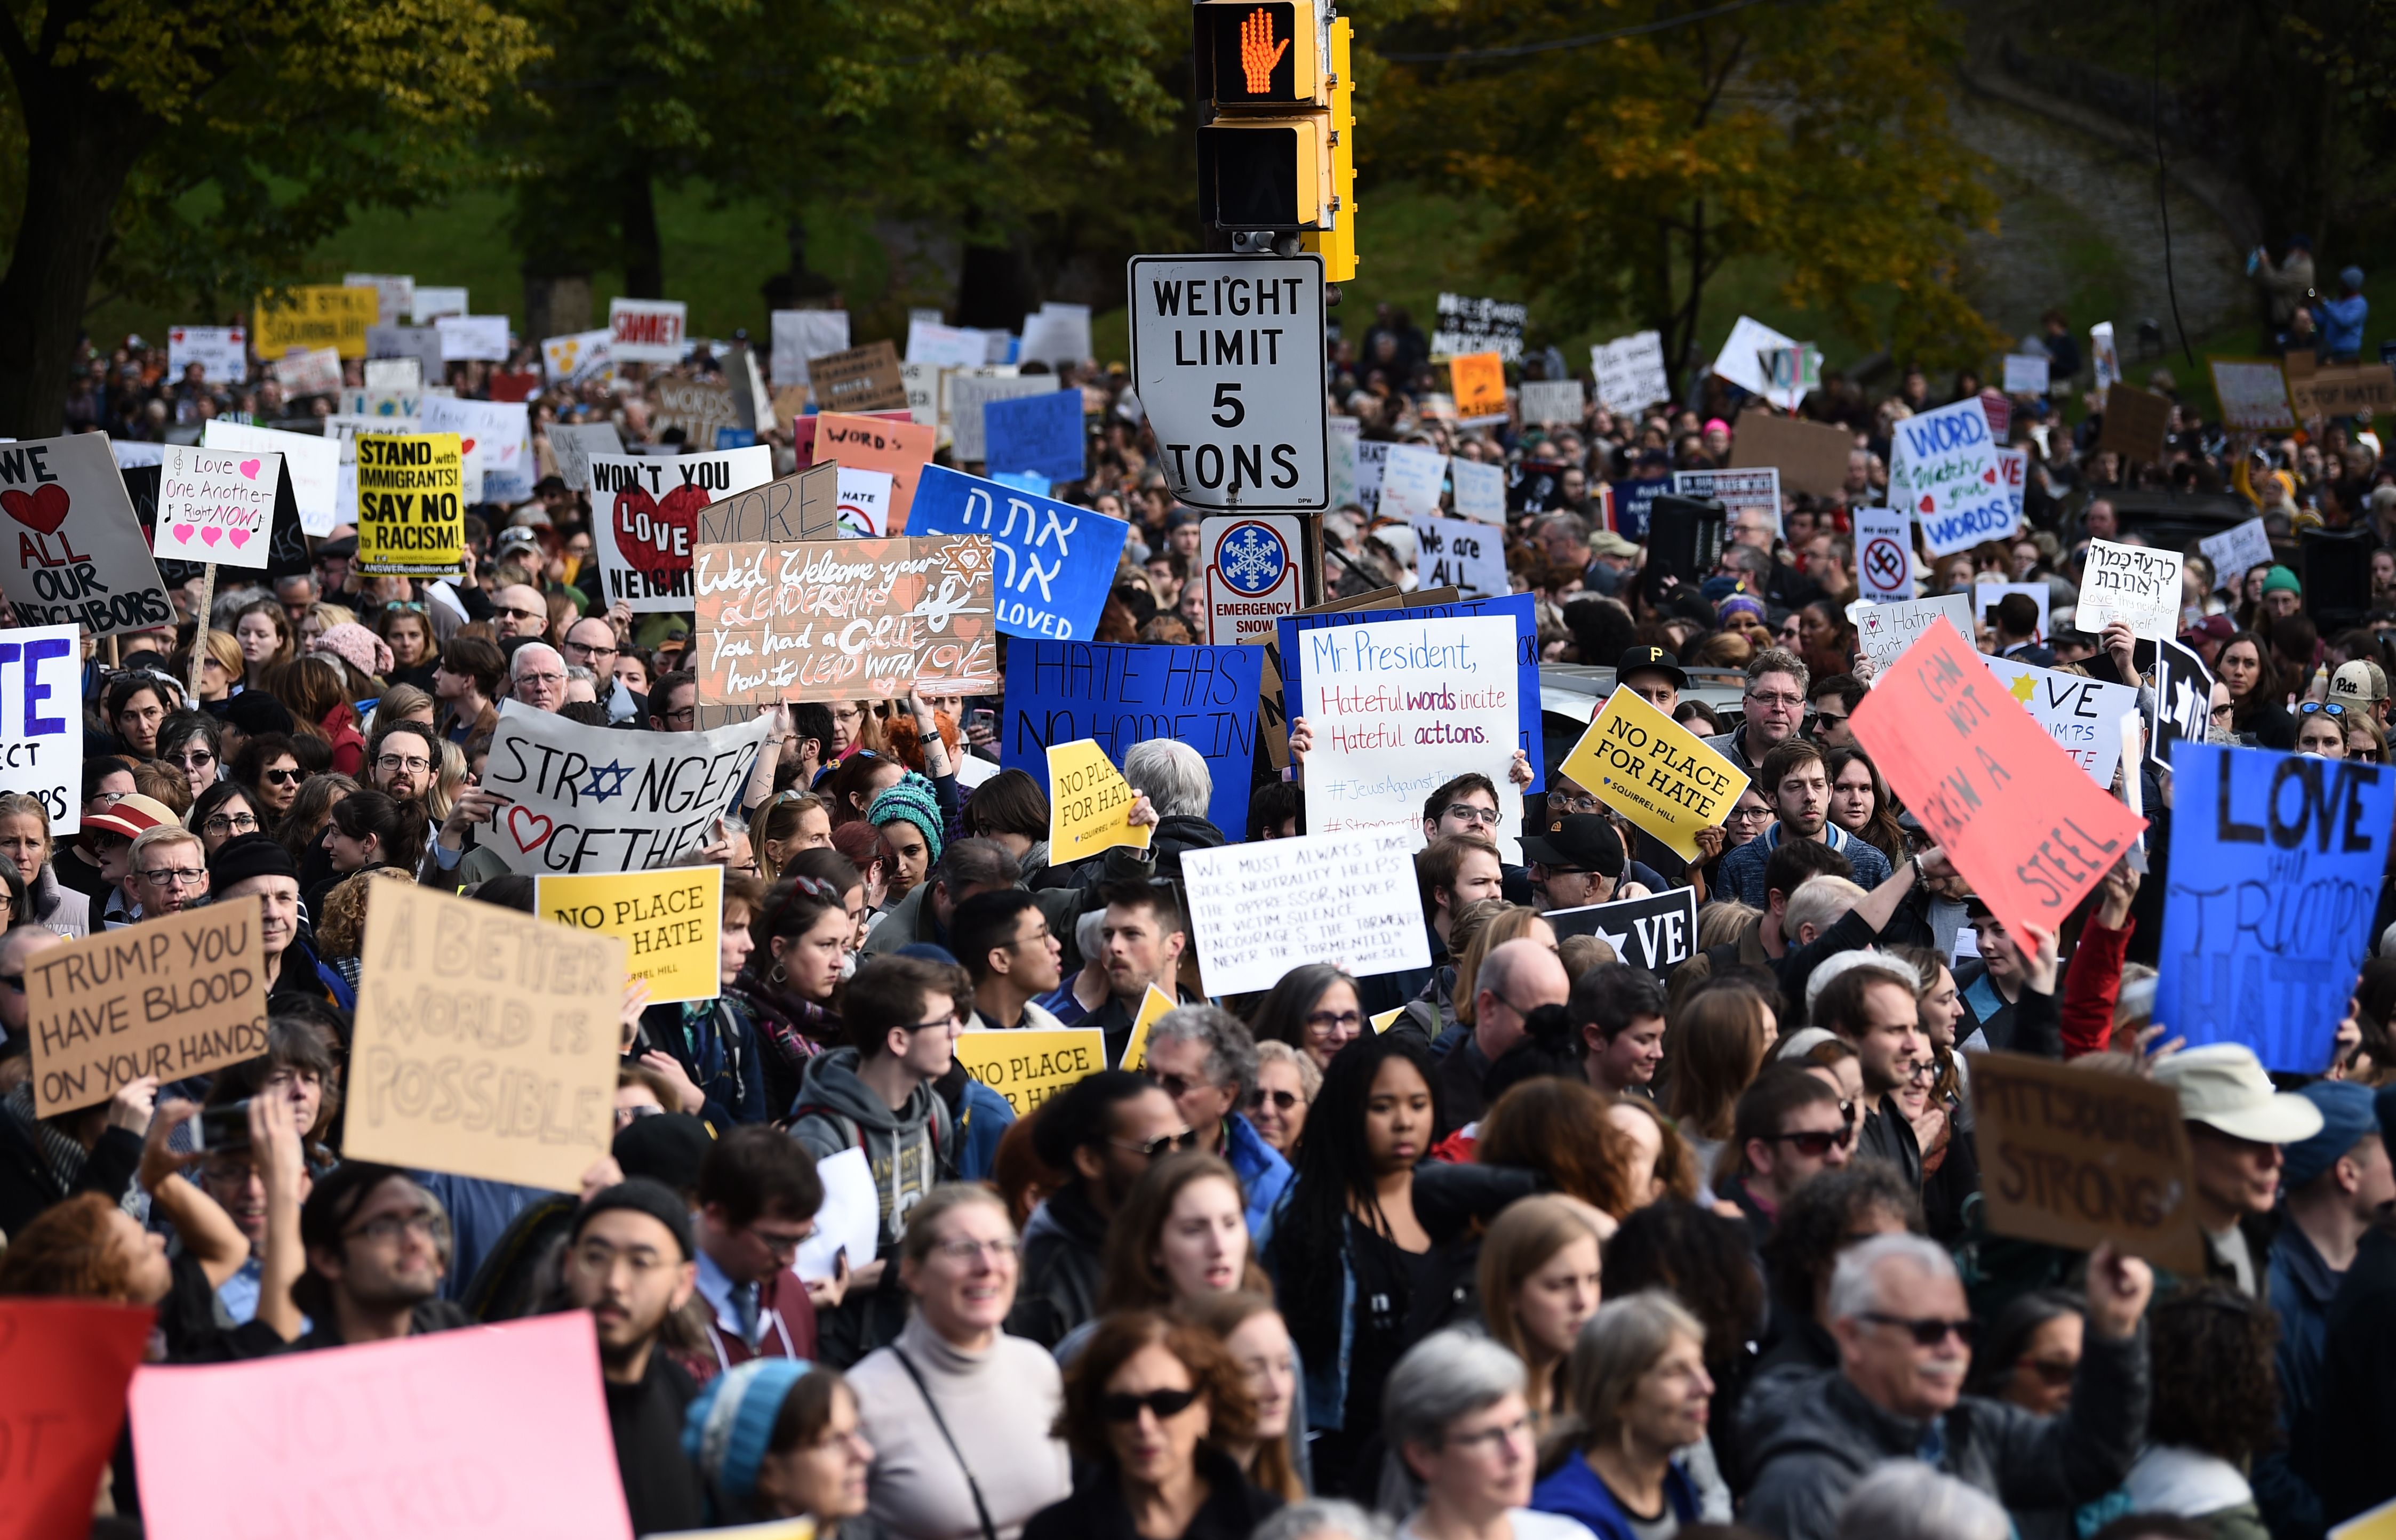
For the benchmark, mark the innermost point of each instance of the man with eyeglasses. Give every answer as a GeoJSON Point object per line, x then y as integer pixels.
{"type": "Point", "coordinates": [169, 871]}
{"type": "Point", "coordinates": [1775, 705]}
{"type": "Point", "coordinates": [629, 1261]}
{"type": "Point", "coordinates": [1205, 1059]}
{"type": "Point", "coordinates": [1104, 1131]}
{"type": "Point", "coordinates": [110, 833]}
{"type": "Point", "coordinates": [591, 642]}
{"type": "Point", "coordinates": [1790, 1127]}
{"type": "Point", "coordinates": [518, 610]}
{"type": "Point", "coordinates": [536, 677]}
{"type": "Point", "coordinates": [673, 703]}
{"type": "Point", "coordinates": [902, 1015]}
{"type": "Point", "coordinates": [1905, 1335]}
{"type": "Point", "coordinates": [1012, 957]}
{"type": "Point", "coordinates": [403, 760]}
{"type": "Point", "coordinates": [758, 1195]}
{"type": "Point", "coordinates": [378, 1247]}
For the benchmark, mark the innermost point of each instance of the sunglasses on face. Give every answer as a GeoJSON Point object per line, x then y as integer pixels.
{"type": "Point", "coordinates": [2324, 708]}
{"type": "Point", "coordinates": [1165, 1404]}
{"type": "Point", "coordinates": [2055, 1373]}
{"type": "Point", "coordinates": [1929, 1331]}
{"type": "Point", "coordinates": [1283, 1100]}
{"type": "Point", "coordinates": [1162, 1146]}
{"type": "Point", "coordinates": [1816, 1142]}
{"type": "Point", "coordinates": [282, 777]}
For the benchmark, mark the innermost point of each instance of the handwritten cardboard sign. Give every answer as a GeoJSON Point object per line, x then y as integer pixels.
{"type": "Point", "coordinates": [903, 449]}
{"type": "Point", "coordinates": [696, 406]}
{"type": "Point", "coordinates": [2343, 390]}
{"type": "Point", "coordinates": [1811, 456]}
{"type": "Point", "coordinates": [644, 518]}
{"type": "Point", "coordinates": [81, 559]}
{"type": "Point", "coordinates": [2139, 585]}
{"type": "Point", "coordinates": [1120, 694]}
{"type": "Point", "coordinates": [1654, 772]}
{"type": "Point", "coordinates": [2082, 716]}
{"type": "Point", "coordinates": [1549, 401]}
{"type": "Point", "coordinates": [411, 504]}
{"type": "Point", "coordinates": [2075, 1156]}
{"type": "Point", "coordinates": [2014, 813]}
{"type": "Point", "coordinates": [1055, 562]}
{"type": "Point", "coordinates": [1089, 805]}
{"type": "Point", "coordinates": [1630, 372]}
{"type": "Point", "coordinates": [1479, 383]}
{"type": "Point", "coordinates": [2236, 552]}
{"type": "Point", "coordinates": [799, 507]}
{"type": "Point", "coordinates": [1477, 491]}
{"type": "Point", "coordinates": [1028, 1068]}
{"type": "Point", "coordinates": [857, 379]}
{"type": "Point", "coordinates": [41, 732]}
{"type": "Point", "coordinates": [428, 1434]}
{"type": "Point", "coordinates": [315, 315]}
{"type": "Point", "coordinates": [217, 505]}
{"type": "Point", "coordinates": [176, 996]}
{"type": "Point", "coordinates": [1658, 933]}
{"type": "Point", "coordinates": [671, 921]}
{"type": "Point", "coordinates": [588, 799]}
{"type": "Point", "coordinates": [486, 1040]}
{"type": "Point", "coordinates": [1413, 475]}
{"type": "Point", "coordinates": [2254, 393]}
{"type": "Point", "coordinates": [2275, 864]}
{"type": "Point", "coordinates": [2135, 424]}
{"type": "Point", "coordinates": [66, 1364]}
{"type": "Point", "coordinates": [1258, 910]}
{"type": "Point", "coordinates": [843, 619]}
{"type": "Point", "coordinates": [1947, 461]}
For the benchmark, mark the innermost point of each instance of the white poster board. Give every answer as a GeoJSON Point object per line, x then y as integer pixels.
{"type": "Point", "coordinates": [1258, 910]}
{"type": "Point", "coordinates": [2138, 584]}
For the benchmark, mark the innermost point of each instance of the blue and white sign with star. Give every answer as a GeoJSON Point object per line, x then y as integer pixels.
{"type": "Point", "coordinates": [583, 799]}
{"type": "Point", "coordinates": [1253, 567]}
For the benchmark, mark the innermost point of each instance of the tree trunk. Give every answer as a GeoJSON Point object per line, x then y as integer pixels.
{"type": "Point", "coordinates": [645, 261]}
{"type": "Point", "coordinates": [81, 145]}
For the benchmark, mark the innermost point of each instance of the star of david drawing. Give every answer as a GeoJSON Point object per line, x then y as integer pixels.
{"type": "Point", "coordinates": [615, 788]}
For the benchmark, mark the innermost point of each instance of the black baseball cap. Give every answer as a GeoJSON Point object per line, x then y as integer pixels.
{"type": "Point", "coordinates": [1584, 839]}
{"type": "Point", "coordinates": [1655, 659]}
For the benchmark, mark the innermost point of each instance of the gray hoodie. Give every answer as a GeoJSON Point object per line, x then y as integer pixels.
{"type": "Point", "coordinates": [909, 1152]}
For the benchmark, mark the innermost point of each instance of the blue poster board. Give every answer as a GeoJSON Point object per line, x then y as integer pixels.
{"type": "Point", "coordinates": [2274, 879]}
{"type": "Point", "coordinates": [1053, 563]}
{"type": "Point", "coordinates": [1121, 693]}
{"type": "Point", "coordinates": [1040, 433]}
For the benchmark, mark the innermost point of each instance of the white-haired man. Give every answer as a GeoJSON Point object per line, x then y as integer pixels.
{"type": "Point", "coordinates": [537, 676]}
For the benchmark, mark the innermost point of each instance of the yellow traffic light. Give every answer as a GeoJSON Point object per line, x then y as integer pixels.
{"type": "Point", "coordinates": [1335, 241]}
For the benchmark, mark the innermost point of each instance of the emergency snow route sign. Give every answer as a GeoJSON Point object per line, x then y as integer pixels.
{"type": "Point", "coordinates": [1227, 360]}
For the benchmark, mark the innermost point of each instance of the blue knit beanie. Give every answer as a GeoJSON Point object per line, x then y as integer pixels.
{"type": "Point", "coordinates": [726, 1432]}
{"type": "Point", "coordinates": [912, 800]}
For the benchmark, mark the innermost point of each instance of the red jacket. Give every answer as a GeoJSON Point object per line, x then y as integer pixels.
{"type": "Point", "coordinates": [2092, 986]}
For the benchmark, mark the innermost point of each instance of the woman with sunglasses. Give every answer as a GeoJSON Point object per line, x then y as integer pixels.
{"type": "Point", "coordinates": [190, 741]}
{"type": "Point", "coordinates": [221, 669]}
{"type": "Point", "coordinates": [2033, 1351]}
{"type": "Point", "coordinates": [2321, 729]}
{"type": "Point", "coordinates": [2364, 740]}
{"type": "Point", "coordinates": [1150, 1407]}
{"type": "Point", "coordinates": [1286, 1085]}
{"type": "Point", "coordinates": [959, 1413]}
{"type": "Point", "coordinates": [269, 766]}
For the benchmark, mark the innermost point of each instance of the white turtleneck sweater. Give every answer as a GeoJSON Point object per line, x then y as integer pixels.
{"type": "Point", "coordinates": [999, 1405]}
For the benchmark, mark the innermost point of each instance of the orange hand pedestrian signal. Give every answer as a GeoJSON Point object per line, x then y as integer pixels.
{"type": "Point", "coordinates": [1259, 52]}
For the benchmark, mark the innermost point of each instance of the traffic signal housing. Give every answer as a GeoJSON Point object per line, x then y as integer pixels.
{"type": "Point", "coordinates": [1274, 153]}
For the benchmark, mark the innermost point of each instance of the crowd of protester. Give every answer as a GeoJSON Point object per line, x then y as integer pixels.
{"type": "Point", "coordinates": [1567, 1249]}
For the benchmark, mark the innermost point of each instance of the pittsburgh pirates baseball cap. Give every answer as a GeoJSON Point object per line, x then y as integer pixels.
{"type": "Point", "coordinates": [1583, 840]}
{"type": "Point", "coordinates": [1655, 659]}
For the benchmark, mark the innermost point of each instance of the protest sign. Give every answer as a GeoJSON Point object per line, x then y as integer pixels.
{"type": "Point", "coordinates": [579, 356]}
{"type": "Point", "coordinates": [397, 377]}
{"type": "Point", "coordinates": [1811, 456]}
{"type": "Point", "coordinates": [178, 995]}
{"type": "Point", "coordinates": [2026, 374]}
{"type": "Point", "coordinates": [2013, 473]}
{"type": "Point", "coordinates": [1658, 933]}
{"type": "Point", "coordinates": [2346, 391]}
{"type": "Point", "coordinates": [1119, 695]}
{"type": "Point", "coordinates": [1372, 459]}
{"type": "Point", "coordinates": [2072, 1156]}
{"type": "Point", "coordinates": [1790, 372]}
{"type": "Point", "coordinates": [944, 347]}
{"type": "Point", "coordinates": [2136, 422]}
{"type": "Point", "coordinates": [801, 506]}
{"type": "Point", "coordinates": [2104, 357]}
{"type": "Point", "coordinates": [220, 351]}
{"type": "Point", "coordinates": [1089, 805]}
{"type": "Point", "coordinates": [472, 339]}
{"type": "Point", "coordinates": [857, 379]}
{"type": "Point", "coordinates": [644, 518]}
{"type": "Point", "coordinates": [2015, 814]}
{"type": "Point", "coordinates": [1883, 539]}
{"type": "Point", "coordinates": [1290, 661]}
{"type": "Point", "coordinates": [926, 385]}
{"type": "Point", "coordinates": [575, 445]}
{"type": "Point", "coordinates": [1412, 478]}
{"type": "Point", "coordinates": [421, 343]}
{"type": "Point", "coordinates": [969, 393]}
{"type": "Point", "coordinates": [1029, 1066]}
{"type": "Point", "coordinates": [701, 409]}
{"type": "Point", "coordinates": [2082, 716]}
{"type": "Point", "coordinates": [2274, 876]}
{"type": "Point", "coordinates": [865, 503]}
{"type": "Point", "coordinates": [1741, 359]}
{"type": "Point", "coordinates": [217, 505]}
{"type": "Point", "coordinates": [1884, 631]}
{"type": "Point", "coordinates": [1480, 491]}
{"type": "Point", "coordinates": [411, 509]}
{"type": "Point", "coordinates": [1737, 491]}
{"type": "Point", "coordinates": [306, 372]}
{"type": "Point", "coordinates": [1399, 708]}
{"type": "Point", "coordinates": [1478, 382]}
{"type": "Point", "coordinates": [41, 737]}
{"type": "Point", "coordinates": [1461, 555]}
{"type": "Point", "coordinates": [1341, 437]}
{"type": "Point", "coordinates": [892, 614]}
{"type": "Point", "coordinates": [799, 336]}
{"type": "Point", "coordinates": [137, 454]}
{"type": "Point", "coordinates": [1952, 483]}
{"type": "Point", "coordinates": [486, 1040]}
{"type": "Point", "coordinates": [2138, 585]}
{"type": "Point", "coordinates": [499, 431]}
{"type": "Point", "coordinates": [281, 547]}
{"type": "Point", "coordinates": [66, 1364]}
{"type": "Point", "coordinates": [1059, 333]}
{"type": "Point", "coordinates": [427, 1434]}
{"type": "Point", "coordinates": [1152, 1004]}
{"type": "Point", "coordinates": [2252, 392]}
{"type": "Point", "coordinates": [1547, 402]}
{"type": "Point", "coordinates": [314, 315]}
{"type": "Point", "coordinates": [581, 799]}
{"type": "Point", "coordinates": [81, 559]}
{"type": "Point", "coordinates": [1630, 372]}
{"type": "Point", "coordinates": [849, 1220]}
{"type": "Point", "coordinates": [429, 304]}
{"type": "Point", "coordinates": [903, 449]}
{"type": "Point", "coordinates": [1471, 325]}
{"type": "Point", "coordinates": [1654, 772]}
{"type": "Point", "coordinates": [2183, 701]}
{"type": "Point", "coordinates": [394, 294]}
{"type": "Point", "coordinates": [2236, 552]}
{"type": "Point", "coordinates": [647, 331]}
{"type": "Point", "coordinates": [670, 920]}
{"type": "Point", "coordinates": [1258, 910]}
{"type": "Point", "coordinates": [1987, 596]}
{"type": "Point", "coordinates": [1040, 433]}
{"type": "Point", "coordinates": [1055, 562]}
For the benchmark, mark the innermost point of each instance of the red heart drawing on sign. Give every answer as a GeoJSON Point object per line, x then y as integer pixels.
{"type": "Point", "coordinates": [1990, 475]}
{"type": "Point", "coordinates": [211, 535]}
{"type": "Point", "coordinates": [465, 446]}
{"type": "Point", "coordinates": [647, 530]}
{"type": "Point", "coordinates": [45, 508]}
{"type": "Point", "coordinates": [249, 470]}
{"type": "Point", "coordinates": [524, 816]}
{"type": "Point", "coordinates": [1929, 503]}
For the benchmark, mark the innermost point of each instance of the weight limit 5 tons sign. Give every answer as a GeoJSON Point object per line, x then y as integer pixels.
{"type": "Point", "coordinates": [1227, 358]}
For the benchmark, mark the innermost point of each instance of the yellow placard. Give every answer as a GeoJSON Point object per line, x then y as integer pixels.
{"type": "Point", "coordinates": [2377, 1524]}
{"type": "Point", "coordinates": [1089, 803]}
{"type": "Point", "coordinates": [317, 316]}
{"type": "Point", "coordinates": [1654, 772]}
{"type": "Point", "coordinates": [411, 508]}
{"type": "Point", "coordinates": [672, 921]}
{"type": "Point", "coordinates": [1478, 381]}
{"type": "Point", "coordinates": [1381, 1023]}
{"type": "Point", "coordinates": [1134, 1053]}
{"type": "Point", "coordinates": [1028, 1068]}
{"type": "Point", "coordinates": [486, 1041]}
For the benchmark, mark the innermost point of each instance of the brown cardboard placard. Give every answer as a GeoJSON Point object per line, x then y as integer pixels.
{"type": "Point", "coordinates": [2072, 1156]}
{"type": "Point", "coordinates": [802, 506]}
{"type": "Point", "coordinates": [843, 619]}
{"type": "Point", "coordinates": [486, 1041]}
{"type": "Point", "coordinates": [2343, 391]}
{"type": "Point", "coordinates": [1811, 456]}
{"type": "Point", "coordinates": [176, 996]}
{"type": "Point", "coordinates": [858, 380]}
{"type": "Point", "coordinates": [2136, 421]}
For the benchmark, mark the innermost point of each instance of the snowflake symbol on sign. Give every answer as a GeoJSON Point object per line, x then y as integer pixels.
{"type": "Point", "coordinates": [1251, 559]}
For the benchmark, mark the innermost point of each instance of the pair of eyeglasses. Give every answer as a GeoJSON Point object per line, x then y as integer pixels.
{"type": "Point", "coordinates": [229, 823]}
{"type": "Point", "coordinates": [515, 614]}
{"type": "Point", "coordinates": [1333, 1021]}
{"type": "Point", "coordinates": [2055, 1373]}
{"type": "Point", "coordinates": [282, 777]}
{"type": "Point", "coordinates": [173, 877]}
{"type": "Point", "coordinates": [1929, 1331]}
{"type": "Point", "coordinates": [1283, 1100]}
{"type": "Point", "coordinates": [1816, 1142]}
{"type": "Point", "coordinates": [1467, 812]}
{"type": "Point", "coordinates": [1162, 1146]}
{"type": "Point", "coordinates": [395, 761]}
{"type": "Point", "coordinates": [1165, 1405]}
